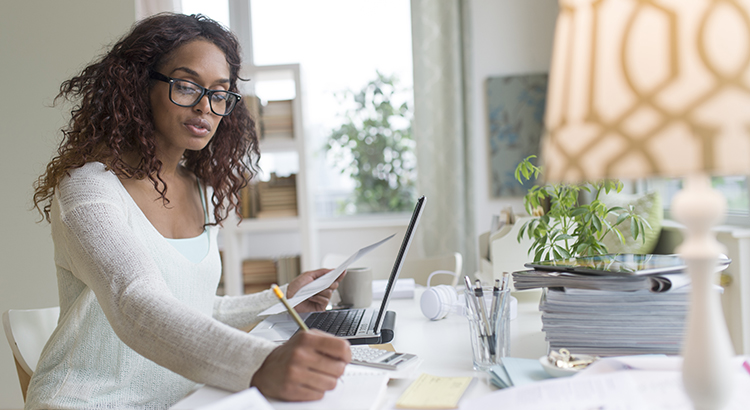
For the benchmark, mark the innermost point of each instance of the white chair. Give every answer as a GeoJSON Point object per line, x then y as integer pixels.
{"type": "Point", "coordinates": [27, 332]}
{"type": "Point", "coordinates": [417, 268]}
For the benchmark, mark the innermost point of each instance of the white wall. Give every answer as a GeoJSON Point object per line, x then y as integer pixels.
{"type": "Point", "coordinates": [41, 44]}
{"type": "Point", "coordinates": [509, 37]}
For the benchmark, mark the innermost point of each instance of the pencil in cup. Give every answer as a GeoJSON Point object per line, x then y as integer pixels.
{"type": "Point", "coordinates": [279, 294]}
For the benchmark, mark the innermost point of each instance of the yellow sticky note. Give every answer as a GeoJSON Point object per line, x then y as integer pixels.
{"type": "Point", "coordinates": [433, 392]}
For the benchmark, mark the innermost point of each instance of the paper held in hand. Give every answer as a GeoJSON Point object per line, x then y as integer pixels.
{"type": "Point", "coordinates": [324, 281]}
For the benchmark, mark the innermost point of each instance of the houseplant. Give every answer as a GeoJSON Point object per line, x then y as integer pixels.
{"type": "Point", "coordinates": [374, 147]}
{"type": "Point", "coordinates": [564, 227]}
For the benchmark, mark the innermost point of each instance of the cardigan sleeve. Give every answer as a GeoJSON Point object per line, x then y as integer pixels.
{"type": "Point", "coordinates": [242, 311]}
{"type": "Point", "coordinates": [105, 253]}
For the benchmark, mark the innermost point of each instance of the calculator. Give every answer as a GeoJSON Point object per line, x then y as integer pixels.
{"type": "Point", "coordinates": [384, 359]}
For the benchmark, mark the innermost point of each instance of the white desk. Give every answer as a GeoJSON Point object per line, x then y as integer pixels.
{"type": "Point", "coordinates": [444, 345]}
{"type": "Point", "coordinates": [445, 348]}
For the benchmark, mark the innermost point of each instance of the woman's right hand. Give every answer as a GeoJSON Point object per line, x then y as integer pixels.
{"type": "Point", "coordinates": [304, 368]}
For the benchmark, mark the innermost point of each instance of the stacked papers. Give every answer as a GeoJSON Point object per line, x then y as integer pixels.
{"type": "Point", "coordinates": [612, 323]}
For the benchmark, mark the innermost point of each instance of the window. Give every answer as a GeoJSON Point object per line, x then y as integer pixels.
{"type": "Point", "coordinates": [341, 45]}
{"type": "Point", "coordinates": [734, 188]}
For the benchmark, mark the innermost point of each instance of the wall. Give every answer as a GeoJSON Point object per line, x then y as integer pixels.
{"type": "Point", "coordinates": [41, 43]}
{"type": "Point", "coordinates": [509, 37]}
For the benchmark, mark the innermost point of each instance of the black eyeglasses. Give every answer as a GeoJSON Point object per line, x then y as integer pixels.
{"type": "Point", "coordinates": [187, 94]}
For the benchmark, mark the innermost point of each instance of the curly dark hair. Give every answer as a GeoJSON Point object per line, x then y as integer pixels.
{"type": "Point", "coordinates": [112, 116]}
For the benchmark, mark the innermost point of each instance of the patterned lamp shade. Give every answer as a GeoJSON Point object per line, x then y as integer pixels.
{"type": "Point", "coordinates": [644, 88]}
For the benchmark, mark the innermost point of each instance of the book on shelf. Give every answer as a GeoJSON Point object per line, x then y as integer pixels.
{"type": "Point", "coordinates": [256, 271]}
{"type": "Point", "coordinates": [287, 268]}
{"type": "Point", "coordinates": [252, 103]}
{"type": "Point", "coordinates": [277, 119]}
{"type": "Point", "coordinates": [275, 198]}
{"type": "Point", "coordinates": [260, 274]}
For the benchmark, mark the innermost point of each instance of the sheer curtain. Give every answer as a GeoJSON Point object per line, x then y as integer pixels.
{"type": "Point", "coordinates": [441, 127]}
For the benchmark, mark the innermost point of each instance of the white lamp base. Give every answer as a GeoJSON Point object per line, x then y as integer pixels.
{"type": "Point", "coordinates": [707, 374]}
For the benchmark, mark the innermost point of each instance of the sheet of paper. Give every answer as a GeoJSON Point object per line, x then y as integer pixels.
{"type": "Point", "coordinates": [434, 392]}
{"type": "Point", "coordinates": [357, 389]}
{"type": "Point", "coordinates": [324, 281]}
{"type": "Point", "coordinates": [619, 390]}
{"type": "Point", "coordinates": [249, 399]}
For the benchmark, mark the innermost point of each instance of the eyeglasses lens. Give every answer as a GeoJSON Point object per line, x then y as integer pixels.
{"type": "Point", "coordinates": [187, 94]}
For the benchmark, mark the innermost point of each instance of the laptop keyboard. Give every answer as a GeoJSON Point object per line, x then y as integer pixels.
{"type": "Point", "coordinates": [336, 322]}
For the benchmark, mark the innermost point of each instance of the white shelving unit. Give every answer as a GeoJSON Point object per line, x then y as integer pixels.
{"type": "Point", "coordinates": [293, 234]}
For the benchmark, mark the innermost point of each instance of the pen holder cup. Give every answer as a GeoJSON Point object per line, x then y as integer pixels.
{"type": "Point", "coordinates": [490, 337]}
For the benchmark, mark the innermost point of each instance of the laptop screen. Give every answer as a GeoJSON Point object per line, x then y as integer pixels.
{"type": "Point", "coordinates": [398, 264]}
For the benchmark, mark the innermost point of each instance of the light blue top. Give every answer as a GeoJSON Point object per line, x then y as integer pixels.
{"type": "Point", "coordinates": [196, 248]}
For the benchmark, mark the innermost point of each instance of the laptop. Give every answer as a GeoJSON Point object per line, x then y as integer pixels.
{"type": "Point", "coordinates": [358, 326]}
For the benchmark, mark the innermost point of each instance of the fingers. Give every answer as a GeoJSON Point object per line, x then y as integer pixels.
{"type": "Point", "coordinates": [332, 346]}
{"type": "Point", "coordinates": [318, 273]}
{"type": "Point", "coordinates": [304, 368]}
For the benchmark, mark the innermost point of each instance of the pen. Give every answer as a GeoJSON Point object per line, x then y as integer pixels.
{"type": "Point", "coordinates": [291, 310]}
{"type": "Point", "coordinates": [482, 306]}
{"type": "Point", "coordinates": [471, 294]}
{"type": "Point", "coordinates": [489, 328]}
{"type": "Point", "coordinates": [495, 301]}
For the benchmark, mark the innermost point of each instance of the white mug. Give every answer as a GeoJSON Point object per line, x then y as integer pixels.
{"type": "Point", "coordinates": [356, 288]}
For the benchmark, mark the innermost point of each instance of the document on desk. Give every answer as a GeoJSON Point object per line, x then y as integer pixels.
{"type": "Point", "coordinates": [621, 390]}
{"type": "Point", "coordinates": [249, 399]}
{"type": "Point", "coordinates": [324, 281]}
{"type": "Point", "coordinates": [434, 392]}
{"type": "Point", "coordinates": [357, 389]}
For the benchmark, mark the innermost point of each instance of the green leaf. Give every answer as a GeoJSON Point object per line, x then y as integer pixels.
{"type": "Point", "coordinates": [538, 255]}
{"type": "Point", "coordinates": [597, 222]}
{"type": "Point", "coordinates": [563, 252]}
{"type": "Point", "coordinates": [634, 228]}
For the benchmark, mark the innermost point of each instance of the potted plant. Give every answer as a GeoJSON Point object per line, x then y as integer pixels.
{"type": "Point", "coordinates": [374, 147]}
{"type": "Point", "coordinates": [562, 227]}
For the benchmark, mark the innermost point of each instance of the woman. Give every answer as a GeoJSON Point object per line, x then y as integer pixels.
{"type": "Point", "coordinates": [152, 161]}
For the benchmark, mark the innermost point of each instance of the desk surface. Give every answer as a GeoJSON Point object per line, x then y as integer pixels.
{"type": "Point", "coordinates": [444, 345]}
{"type": "Point", "coordinates": [445, 348]}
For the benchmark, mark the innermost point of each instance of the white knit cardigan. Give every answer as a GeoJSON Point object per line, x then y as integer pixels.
{"type": "Point", "coordinates": [139, 324]}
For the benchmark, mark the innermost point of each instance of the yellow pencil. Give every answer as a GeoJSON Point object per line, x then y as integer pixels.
{"type": "Point", "coordinates": [280, 295]}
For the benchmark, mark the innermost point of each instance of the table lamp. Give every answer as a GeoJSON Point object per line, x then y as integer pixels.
{"type": "Point", "coordinates": [643, 88]}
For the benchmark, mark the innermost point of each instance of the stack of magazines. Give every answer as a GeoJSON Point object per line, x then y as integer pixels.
{"type": "Point", "coordinates": [612, 305]}
{"type": "Point", "coordinates": [612, 323]}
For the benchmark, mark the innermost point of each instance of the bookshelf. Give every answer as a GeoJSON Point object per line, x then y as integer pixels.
{"type": "Point", "coordinates": [281, 233]}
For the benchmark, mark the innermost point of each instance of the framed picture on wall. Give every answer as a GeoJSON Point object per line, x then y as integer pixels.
{"type": "Point", "coordinates": [515, 106]}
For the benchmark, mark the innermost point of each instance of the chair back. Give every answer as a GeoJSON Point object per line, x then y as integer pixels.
{"type": "Point", "coordinates": [27, 332]}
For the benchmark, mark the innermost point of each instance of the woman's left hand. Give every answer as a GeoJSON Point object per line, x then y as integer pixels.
{"type": "Point", "coordinates": [316, 302]}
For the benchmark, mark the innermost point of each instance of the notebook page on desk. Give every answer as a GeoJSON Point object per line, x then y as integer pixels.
{"type": "Point", "coordinates": [249, 399]}
{"type": "Point", "coordinates": [357, 389]}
